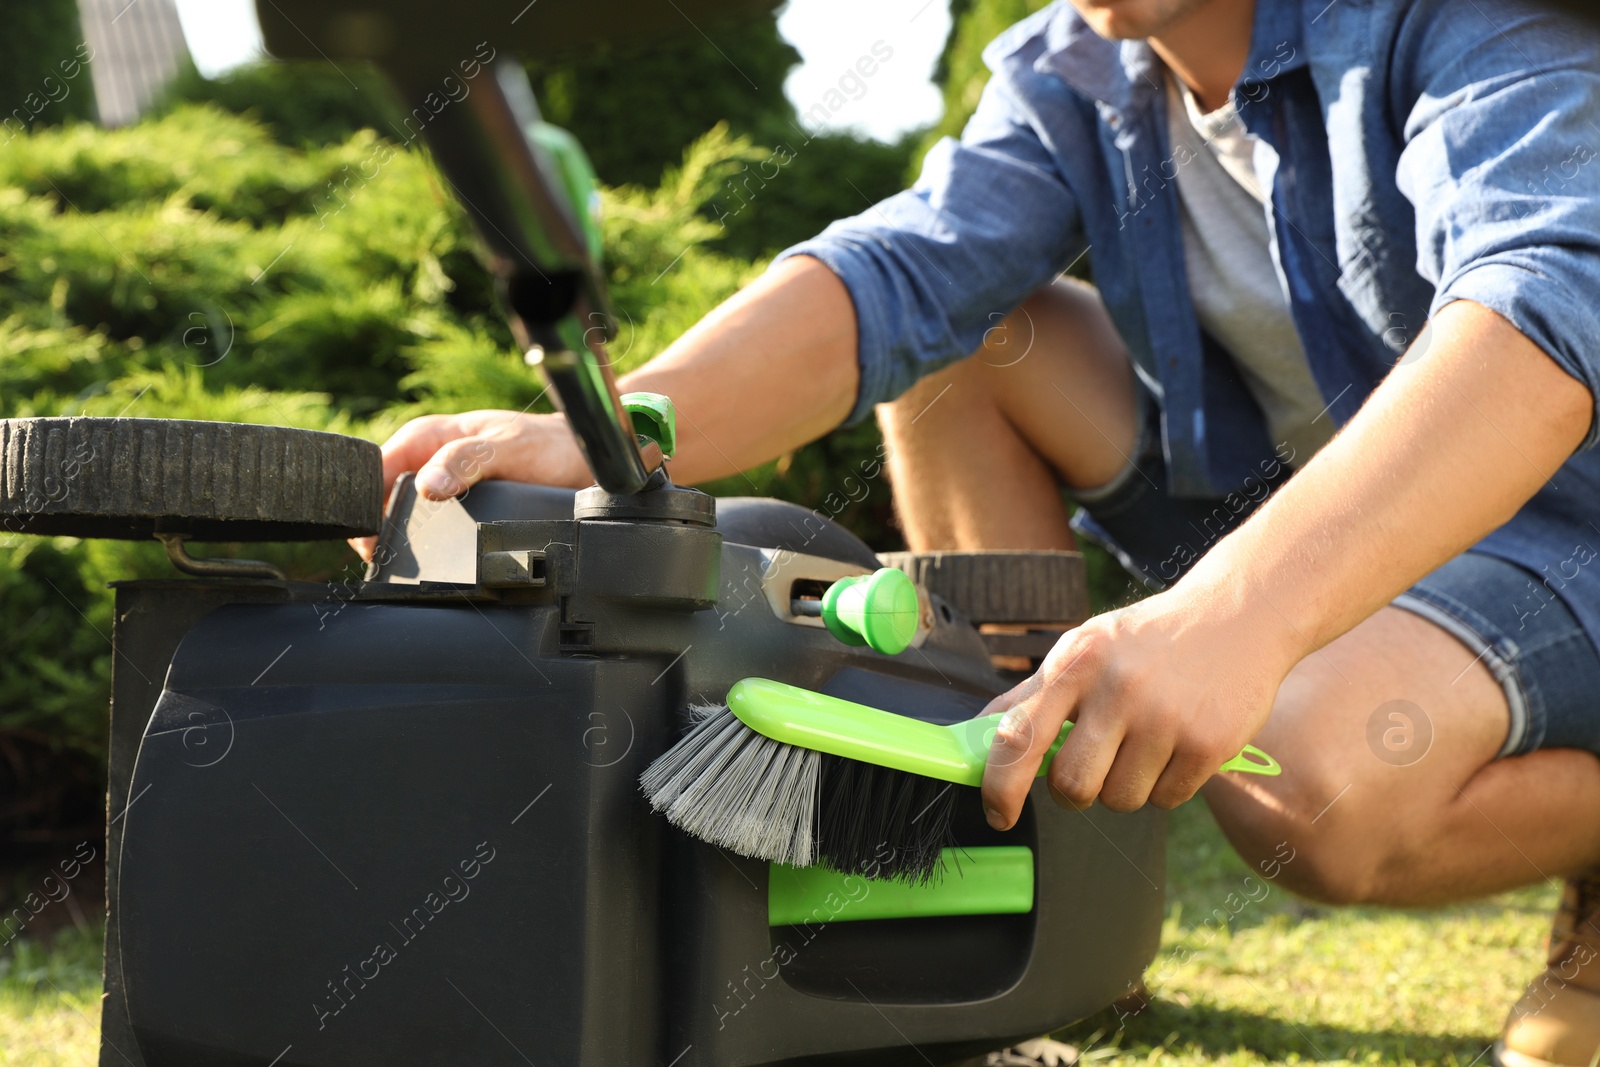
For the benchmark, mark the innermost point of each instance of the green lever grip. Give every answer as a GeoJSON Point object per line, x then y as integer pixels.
{"type": "Point", "coordinates": [878, 610]}
{"type": "Point", "coordinates": [956, 753]}
{"type": "Point", "coordinates": [655, 418]}
{"type": "Point", "coordinates": [577, 179]}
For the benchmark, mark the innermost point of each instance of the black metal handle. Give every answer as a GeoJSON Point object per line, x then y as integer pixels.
{"type": "Point", "coordinates": [552, 286]}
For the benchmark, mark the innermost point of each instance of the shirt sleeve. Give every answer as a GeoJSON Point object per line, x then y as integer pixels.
{"type": "Point", "coordinates": [989, 220]}
{"type": "Point", "coordinates": [1501, 166]}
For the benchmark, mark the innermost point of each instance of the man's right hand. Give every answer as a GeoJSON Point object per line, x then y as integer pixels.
{"type": "Point", "coordinates": [453, 452]}
{"type": "Point", "coordinates": [770, 369]}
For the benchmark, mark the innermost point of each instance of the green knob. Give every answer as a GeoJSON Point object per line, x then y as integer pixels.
{"type": "Point", "coordinates": [878, 610]}
{"type": "Point", "coordinates": [654, 417]}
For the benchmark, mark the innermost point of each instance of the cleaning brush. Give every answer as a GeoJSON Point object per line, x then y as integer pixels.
{"type": "Point", "coordinates": [791, 776]}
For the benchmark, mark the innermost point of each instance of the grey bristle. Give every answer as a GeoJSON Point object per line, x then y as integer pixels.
{"type": "Point", "coordinates": [727, 784]}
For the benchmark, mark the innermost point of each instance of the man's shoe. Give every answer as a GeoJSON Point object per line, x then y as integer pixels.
{"type": "Point", "coordinates": [1557, 1021]}
{"type": "Point", "coordinates": [1040, 1052]}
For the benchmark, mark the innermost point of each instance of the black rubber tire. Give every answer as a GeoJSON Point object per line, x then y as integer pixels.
{"type": "Point", "coordinates": [212, 481]}
{"type": "Point", "coordinates": [1003, 587]}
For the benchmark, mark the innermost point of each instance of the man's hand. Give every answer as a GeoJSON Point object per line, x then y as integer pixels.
{"type": "Point", "coordinates": [770, 369]}
{"type": "Point", "coordinates": [450, 453]}
{"type": "Point", "coordinates": [1161, 694]}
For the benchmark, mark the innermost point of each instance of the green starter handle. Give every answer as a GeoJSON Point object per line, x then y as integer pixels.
{"type": "Point", "coordinates": [955, 753]}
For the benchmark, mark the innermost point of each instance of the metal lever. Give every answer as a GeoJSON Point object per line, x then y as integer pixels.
{"type": "Point", "coordinates": [587, 391]}
{"type": "Point", "coordinates": [550, 283]}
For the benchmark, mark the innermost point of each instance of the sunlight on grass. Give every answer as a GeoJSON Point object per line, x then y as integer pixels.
{"type": "Point", "coordinates": [1283, 981]}
{"type": "Point", "coordinates": [50, 1001]}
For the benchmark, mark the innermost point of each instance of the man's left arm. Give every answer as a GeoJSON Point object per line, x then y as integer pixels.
{"type": "Point", "coordinates": [1495, 396]}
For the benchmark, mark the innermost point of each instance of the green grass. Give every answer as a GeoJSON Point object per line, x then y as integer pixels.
{"type": "Point", "coordinates": [1284, 981]}
{"type": "Point", "coordinates": [50, 1001]}
{"type": "Point", "coordinates": [1280, 981]}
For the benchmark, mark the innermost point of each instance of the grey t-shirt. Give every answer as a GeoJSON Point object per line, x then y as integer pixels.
{"type": "Point", "coordinates": [1223, 177]}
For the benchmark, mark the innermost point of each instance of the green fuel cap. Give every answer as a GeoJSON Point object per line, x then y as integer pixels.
{"type": "Point", "coordinates": [878, 610]}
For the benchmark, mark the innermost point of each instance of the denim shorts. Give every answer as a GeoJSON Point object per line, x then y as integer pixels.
{"type": "Point", "coordinates": [1512, 618]}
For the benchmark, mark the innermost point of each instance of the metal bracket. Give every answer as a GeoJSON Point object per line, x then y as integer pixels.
{"type": "Point", "coordinates": [216, 568]}
{"type": "Point", "coordinates": [512, 568]}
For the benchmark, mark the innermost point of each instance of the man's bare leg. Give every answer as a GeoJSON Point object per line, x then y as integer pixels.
{"type": "Point", "coordinates": [1369, 825]}
{"type": "Point", "coordinates": [978, 452]}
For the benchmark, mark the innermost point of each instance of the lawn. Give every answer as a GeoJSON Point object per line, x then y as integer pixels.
{"type": "Point", "coordinates": [1287, 981]}
{"type": "Point", "coordinates": [1280, 981]}
{"type": "Point", "coordinates": [50, 1001]}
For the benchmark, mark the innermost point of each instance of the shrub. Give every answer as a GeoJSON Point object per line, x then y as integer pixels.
{"type": "Point", "coordinates": [961, 71]}
{"type": "Point", "coordinates": [44, 72]}
{"type": "Point", "coordinates": [304, 105]}
{"type": "Point", "coordinates": [613, 95]}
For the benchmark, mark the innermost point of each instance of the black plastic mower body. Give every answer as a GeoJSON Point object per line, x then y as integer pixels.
{"type": "Point", "coordinates": [399, 823]}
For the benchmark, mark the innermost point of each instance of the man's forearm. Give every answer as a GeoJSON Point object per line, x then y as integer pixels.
{"type": "Point", "coordinates": [1448, 448]}
{"type": "Point", "coordinates": [769, 370]}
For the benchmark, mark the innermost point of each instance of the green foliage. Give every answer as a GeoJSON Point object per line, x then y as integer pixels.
{"type": "Point", "coordinates": [50, 998]}
{"type": "Point", "coordinates": [304, 105]}
{"type": "Point", "coordinates": [961, 71]}
{"type": "Point", "coordinates": [197, 241]}
{"type": "Point", "coordinates": [635, 106]}
{"type": "Point", "coordinates": [805, 183]}
{"type": "Point", "coordinates": [44, 70]}
{"type": "Point", "coordinates": [612, 99]}
{"type": "Point", "coordinates": [658, 294]}
{"type": "Point", "coordinates": [54, 653]}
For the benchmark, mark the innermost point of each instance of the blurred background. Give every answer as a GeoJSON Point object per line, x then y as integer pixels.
{"type": "Point", "coordinates": [188, 230]}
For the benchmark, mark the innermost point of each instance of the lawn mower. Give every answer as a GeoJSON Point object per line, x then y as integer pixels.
{"type": "Point", "coordinates": [398, 821]}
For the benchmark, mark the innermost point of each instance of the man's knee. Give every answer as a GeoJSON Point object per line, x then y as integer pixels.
{"type": "Point", "coordinates": [941, 396]}
{"type": "Point", "coordinates": [1056, 316]}
{"type": "Point", "coordinates": [1315, 830]}
{"type": "Point", "coordinates": [1319, 862]}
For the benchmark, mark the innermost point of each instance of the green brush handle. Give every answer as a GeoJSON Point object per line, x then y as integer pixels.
{"type": "Point", "coordinates": [955, 753]}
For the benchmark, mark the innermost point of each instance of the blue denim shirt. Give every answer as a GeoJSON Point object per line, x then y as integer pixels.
{"type": "Point", "coordinates": [1430, 151]}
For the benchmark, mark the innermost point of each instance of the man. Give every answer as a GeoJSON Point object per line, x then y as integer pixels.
{"type": "Point", "coordinates": [1359, 527]}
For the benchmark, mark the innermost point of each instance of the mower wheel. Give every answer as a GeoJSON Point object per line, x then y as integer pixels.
{"type": "Point", "coordinates": [1048, 588]}
{"type": "Point", "coordinates": [211, 481]}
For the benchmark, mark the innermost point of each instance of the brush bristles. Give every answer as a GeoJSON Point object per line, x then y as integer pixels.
{"type": "Point", "coordinates": [883, 823]}
{"type": "Point", "coordinates": [729, 785]}
{"type": "Point", "coordinates": [726, 784]}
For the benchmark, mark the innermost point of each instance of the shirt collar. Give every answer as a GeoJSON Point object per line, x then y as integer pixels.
{"type": "Point", "coordinates": [1126, 75]}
